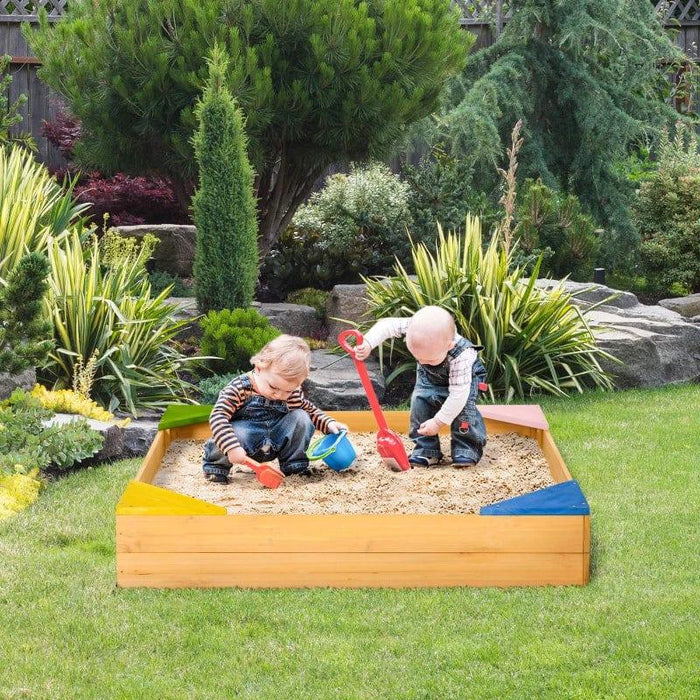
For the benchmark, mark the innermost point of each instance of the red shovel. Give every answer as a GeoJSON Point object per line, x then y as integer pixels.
{"type": "Point", "coordinates": [389, 444]}
{"type": "Point", "coordinates": [268, 476]}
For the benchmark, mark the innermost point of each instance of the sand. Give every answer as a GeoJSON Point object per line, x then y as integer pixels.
{"type": "Point", "coordinates": [512, 465]}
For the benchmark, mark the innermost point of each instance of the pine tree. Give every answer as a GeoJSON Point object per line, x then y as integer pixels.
{"type": "Point", "coordinates": [588, 81]}
{"type": "Point", "coordinates": [319, 82]}
{"type": "Point", "coordinates": [24, 335]}
{"type": "Point", "coordinates": [226, 256]}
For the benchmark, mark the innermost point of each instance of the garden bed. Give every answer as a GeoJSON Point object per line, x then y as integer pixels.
{"type": "Point", "coordinates": [167, 539]}
{"type": "Point", "coordinates": [512, 465]}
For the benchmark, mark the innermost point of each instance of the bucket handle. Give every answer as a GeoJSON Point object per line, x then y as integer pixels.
{"type": "Point", "coordinates": [310, 452]}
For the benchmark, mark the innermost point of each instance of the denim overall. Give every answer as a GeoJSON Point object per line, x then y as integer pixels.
{"type": "Point", "coordinates": [432, 387]}
{"type": "Point", "coordinates": [267, 430]}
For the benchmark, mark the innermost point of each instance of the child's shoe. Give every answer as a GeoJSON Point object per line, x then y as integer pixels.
{"type": "Point", "coordinates": [420, 461]}
{"type": "Point", "coordinates": [463, 462]}
{"type": "Point", "coordinates": [216, 476]}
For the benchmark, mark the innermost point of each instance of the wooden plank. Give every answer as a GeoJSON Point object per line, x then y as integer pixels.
{"type": "Point", "coordinates": [347, 570]}
{"type": "Point", "coordinates": [144, 499]}
{"type": "Point", "coordinates": [154, 456]}
{"type": "Point", "coordinates": [350, 533]}
{"type": "Point", "coordinates": [586, 549]}
{"type": "Point", "coordinates": [554, 459]}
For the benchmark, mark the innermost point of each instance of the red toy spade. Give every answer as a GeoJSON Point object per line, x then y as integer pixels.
{"type": "Point", "coordinates": [389, 444]}
{"type": "Point", "coordinates": [268, 476]}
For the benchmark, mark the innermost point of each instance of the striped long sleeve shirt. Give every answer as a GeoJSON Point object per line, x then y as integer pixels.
{"type": "Point", "coordinates": [232, 398]}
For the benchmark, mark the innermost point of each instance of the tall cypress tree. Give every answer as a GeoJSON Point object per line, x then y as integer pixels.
{"type": "Point", "coordinates": [587, 78]}
{"type": "Point", "coordinates": [226, 256]}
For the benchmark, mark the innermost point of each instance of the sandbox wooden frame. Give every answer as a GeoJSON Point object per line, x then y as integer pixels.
{"type": "Point", "coordinates": [167, 540]}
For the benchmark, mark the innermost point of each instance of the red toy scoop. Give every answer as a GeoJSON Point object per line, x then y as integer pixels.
{"type": "Point", "coordinates": [389, 444]}
{"type": "Point", "coordinates": [268, 476]}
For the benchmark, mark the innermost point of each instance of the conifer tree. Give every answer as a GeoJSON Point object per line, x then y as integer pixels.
{"type": "Point", "coordinates": [226, 256]}
{"type": "Point", "coordinates": [589, 81]}
{"type": "Point", "coordinates": [24, 335]}
{"type": "Point", "coordinates": [319, 81]}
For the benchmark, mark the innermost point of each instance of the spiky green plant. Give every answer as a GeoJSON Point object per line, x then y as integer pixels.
{"type": "Point", "coordinates": [108, 310]}
{"type": "Point", "coordinates": [33, 207]}
{"type": "Point", "coordinates": [533, 340]}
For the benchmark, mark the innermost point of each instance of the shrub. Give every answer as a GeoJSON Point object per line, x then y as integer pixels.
{"type": "Point", "coordinates": [27, 444]}
{"type": "Point", "coordinates": [210, 387]}
{"type": "Point", "coordinates": [10, 114]}
{"type": "Point", "coordinates": [667, 213]}
{"type": "Point", "coordinates": [552, 223]}
{"type": "Point", "coordinates": [226, 256]}
{"type": "Point", "coordinates": [69, 401]}
{"type": "Point", "coordinates": [235, 336]}
{"type": "Point", "coordinates": [308, 296]}
{"type": "Point", "coordinates": [176, 286]}
{"type": "Point", "coordinates": [17, 492]}
{"type": "Point", "coordinates": [533, 340]}
{"type": "Point", "coordinates": [24, 334]}
{"type": "Point", "coordinates": [354, 226]}
{"type": "Point", "coordinates": [108, 310]}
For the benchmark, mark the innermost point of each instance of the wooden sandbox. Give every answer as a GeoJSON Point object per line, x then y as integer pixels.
{"type": "Point", "coordinates": [167, 540]}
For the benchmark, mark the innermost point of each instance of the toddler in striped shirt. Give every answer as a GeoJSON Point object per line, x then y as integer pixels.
{"type": "Point", "coordinates": [263, 413]}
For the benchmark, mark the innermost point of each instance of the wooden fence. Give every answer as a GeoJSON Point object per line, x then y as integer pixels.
{"type": "Point", "coordinates": [485, 18]}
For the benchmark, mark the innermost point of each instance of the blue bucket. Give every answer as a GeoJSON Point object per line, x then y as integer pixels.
{"type": "Point", "coordinates": [335, 450]}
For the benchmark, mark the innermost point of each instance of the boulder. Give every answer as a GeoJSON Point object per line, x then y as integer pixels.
{"type": "Point", "coordinates": [294, 319]}
{"type": "Point", "coordinates": [10, 382]}
{"type": "Point", "coordinates": [590, 293]}
{"type": "Point", "coordinates": [175, 252]}
{"type": "Point", "coordinates": [337, 387]}
{"type": "Point", "coordinates": [656, 346]}
{"type": "Point", "coordinates": [186, 310]}
{"type": "Point", "coordinates": [688, 307]}
{"type": "Point", "coordinates": [138, 436]}
{"type": "Point", "coordinates": [349, 303]}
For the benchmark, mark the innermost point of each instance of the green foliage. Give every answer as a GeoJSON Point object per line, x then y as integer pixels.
{"type": "Point", "coordinates": [354, 226]}
{"type": "Point", "coordinates": [226, 256]}
{"type": "Point", "coordinates": [235, 336]}
{"type": "Point", "coordinates": [210, 387]}
{"type": "Point", "coordinates": [33, 207]}
{"type": "Point", "coordinates": [319, 81]}
{"type": "Point", "coordinates": [588, 81]}
{"type": "Point", "coordinates": [161, 280]}
{"type": "Point", "coordinates": [442, 189]}
{"type": "Point", "coordinates": [533, 340]}
{"type": "Point", "coordinates": [108, 310]}
{"type": "Point", "coordinates": [667, 213]}
{"type": "Point", "coordinates": [126, 251]}
{"type": "Point", "coordinates": [552, 223]}
{"type": "Point", "coordinates": [10, 114]}
{"type": "Point", "coordinates": [24, 334]}
{"type": "Point", "coordinates": [25, 443]}
{"type": "Point", "coordinates": [308, 296]}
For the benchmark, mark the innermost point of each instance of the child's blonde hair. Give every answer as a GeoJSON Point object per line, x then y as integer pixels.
{"type": "Point", "coordinates": [286, 355]}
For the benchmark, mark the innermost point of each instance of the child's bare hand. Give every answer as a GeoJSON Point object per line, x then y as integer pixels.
{"type": "Point", "coordinates": [336, 427]}
{"type": "Point", "coordinates": [429, 427]}
{"type": "Point", "coordinates": [236, 456]}
{"type": "Point", "coordinates": [363, 350]}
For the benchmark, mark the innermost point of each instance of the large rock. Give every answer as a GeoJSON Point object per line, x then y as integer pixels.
{"type": "Point", "coordinates": [349, 303]}
{"type": "Point", "coordinates": [138, 436]}
{"type": "Point", "coordinates": [337, 387]}
{"type": "Point", "coordinates": [10, 382]}
{"type": "Point", "coordinates": [656, 346]}
{"type": "Point", "coordinates": [186, 310]}
{"type": "Point", "coordinates": [175, 252]}
{"type": "Point", "coordinates": [591, 293]}
{"type": "Point", "coordinates": [294, 319]}
{"type": "Point", "coordinates": [688, 307]}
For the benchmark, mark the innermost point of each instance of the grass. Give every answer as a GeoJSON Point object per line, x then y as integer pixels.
{"type": "Point", "coordinates": [67, 632]}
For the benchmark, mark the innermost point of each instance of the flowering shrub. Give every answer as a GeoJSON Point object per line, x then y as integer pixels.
{"type": "Point", "coordinates": [69, 401]}
{"type": "Point", "coordinates": [17, 491]}
{"type": "Point", "coordinates": [354, 226]}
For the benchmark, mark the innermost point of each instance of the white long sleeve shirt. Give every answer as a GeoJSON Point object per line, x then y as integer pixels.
{"type": "Point", "coordinates": [460, 376]}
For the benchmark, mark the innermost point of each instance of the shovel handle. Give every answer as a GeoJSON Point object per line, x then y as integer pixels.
{"type": "Point", "coordinates": [364, 374]}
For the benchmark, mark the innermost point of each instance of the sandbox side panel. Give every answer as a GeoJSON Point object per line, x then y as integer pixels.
{"type": "Point", "coordinates": [154, 457]}
{"type": "Point", "coordinates": [554, 459]}
{"type": "Point", "coordinates": [348, 570]}
{"type": "Point", "coordinates": [586, 549]}
{"type": "Point", "coordinates": [349, 533]}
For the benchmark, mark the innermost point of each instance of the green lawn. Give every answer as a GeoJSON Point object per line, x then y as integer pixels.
{"type": "Point", "coordinates": [634, 632]}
